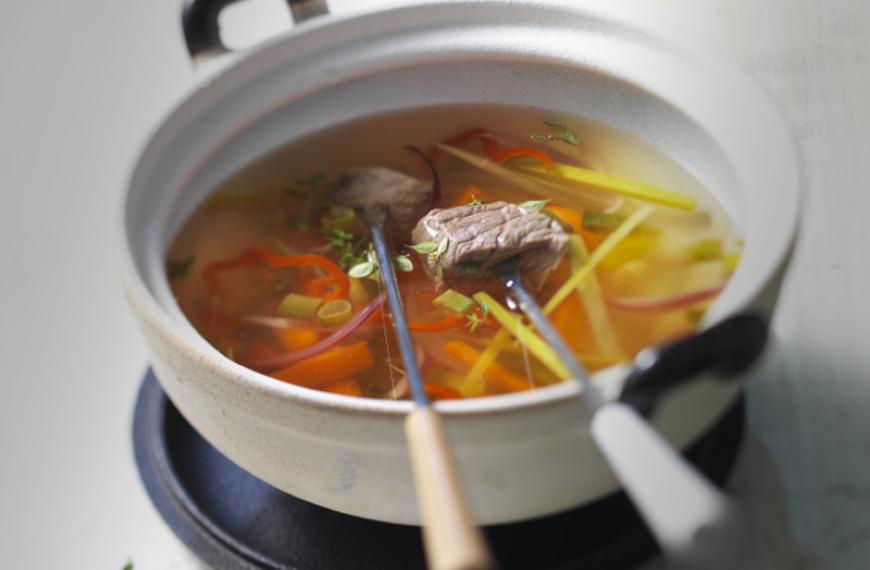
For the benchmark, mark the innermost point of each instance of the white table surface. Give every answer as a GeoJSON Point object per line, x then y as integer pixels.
{"type": "Point", "coordinates": [82, 84]}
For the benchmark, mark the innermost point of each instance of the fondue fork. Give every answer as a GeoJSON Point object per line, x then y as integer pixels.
{"type": "Point", "coordinates": [695, 524]}
{"type": "Point", "coordinates": [451, 538]}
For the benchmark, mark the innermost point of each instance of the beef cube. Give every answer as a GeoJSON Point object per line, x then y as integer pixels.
{"type": "Point", "coordinates": [481, 236]}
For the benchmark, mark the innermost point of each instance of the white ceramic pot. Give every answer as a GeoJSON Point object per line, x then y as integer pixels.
{"type": "Point", "coordinates": [521, 455]}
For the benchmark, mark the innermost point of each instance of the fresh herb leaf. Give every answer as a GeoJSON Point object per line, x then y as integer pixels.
{"type": "Point", "coordinates": [179, 269]}
{"type": "Point", "coordinates": [466, 268]}
{"type": "Point", "coordinates": [442, 247]}
{"type": "Point", "coordinates": [362, 270]}
{"type": "Point", "coordinates": [475, 201]}
{"type": "Point", "coordinates": [403, 263]}
{"type": "Point", "coordinates": [534, 205]}
{"type": "Point", "coordinates": [425, 248]}
{"type": "Point", "coordinates": [349, 249]}
{"type": "Point", "coordinates": [559, 132]}
{"type": "Point", "coordinates": [474, 321]}
{"type": "Point", "coordinates": [484, 309]}
{"type": "Point", "coordinates": [128, 566]}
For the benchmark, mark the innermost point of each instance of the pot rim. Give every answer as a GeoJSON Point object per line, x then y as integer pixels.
{"type": "Point", "coordinates": [150, 309]}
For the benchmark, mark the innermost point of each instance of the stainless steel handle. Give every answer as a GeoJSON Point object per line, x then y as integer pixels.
{"type": "Point", "coordinates": [199, 23]}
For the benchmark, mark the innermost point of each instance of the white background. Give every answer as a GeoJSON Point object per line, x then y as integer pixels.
{"type": "Point", "coordinates": [83, 83]}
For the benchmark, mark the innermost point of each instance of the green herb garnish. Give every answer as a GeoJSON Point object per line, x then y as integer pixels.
{"type": "Point", "coordinates": [179, 269]}
{"type": "Point", "coordinates": [362, 270]}
{"type": "Point", "coordinates": [442, 247]}
{"type": "Point", "coordinates": [534, 205]}
{"type": "Point", "coordinates": [350, 249]}
{"type": "Point", "coordinates": [558, 132]}
{"type": "Point", "coordinates": [128, 566]}
{"type": "Point", "coordinates": [425, 247]}
{"type": "Point", "coordinates": [475, 201]}
{"type": "Point", "coordinates": [403, 263]}
{"type": "Point", "coordinates": [475, 320]}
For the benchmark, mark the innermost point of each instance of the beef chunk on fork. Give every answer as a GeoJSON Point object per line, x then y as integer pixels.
{"type": "Point", "coordinates": [481, 236]}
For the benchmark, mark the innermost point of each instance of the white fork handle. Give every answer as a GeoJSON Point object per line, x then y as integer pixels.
{"type": "Point", "coordinates": [695, 524]}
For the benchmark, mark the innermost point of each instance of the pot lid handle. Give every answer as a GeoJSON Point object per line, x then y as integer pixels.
{"type": "Point", "coordinates": [201, 28]}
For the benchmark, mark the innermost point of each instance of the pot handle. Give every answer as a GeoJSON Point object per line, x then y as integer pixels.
{"type": "Point", "coordinates": [199, 22]}
{"type": "Point", "coordinates": [727, 348]}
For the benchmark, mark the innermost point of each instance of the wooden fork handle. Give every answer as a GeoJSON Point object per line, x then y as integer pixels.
{"type": "Point", "coordinates": [452, 540]}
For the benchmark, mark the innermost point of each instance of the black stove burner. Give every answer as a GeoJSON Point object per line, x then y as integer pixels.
{"type": "Point", "coordinates": [234, 521]}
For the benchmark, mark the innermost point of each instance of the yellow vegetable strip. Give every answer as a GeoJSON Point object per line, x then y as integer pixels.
{"type": "Point", "coordinates": [590, 295]}
{"type": "Point", "coordinates": [536, 345]}
{"type": "Point", "coordinates": [622, 186]}
{"type": "Point", "coordinates": [558, 193]}
{"type": "Point", "coordinates": [502, 338]}
{"type": "Point", "coordinates": [499, 342]}
{"type": "Point", "coordinates": [600, 252]}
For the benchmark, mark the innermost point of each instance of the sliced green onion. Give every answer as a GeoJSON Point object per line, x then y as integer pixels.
{"type": "Point", "coordinates": [337, 218]}
{"type": "Point", "coordinates": [453, 302]}
{"type": "Point", "coordinates": [299, 306]}
{"type": "Point", "coordinates": [336, 312]}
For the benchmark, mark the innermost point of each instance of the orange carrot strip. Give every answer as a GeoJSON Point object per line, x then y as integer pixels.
{"type": "Point", "coordinates": [333, 271]}
{"type": "Point", "coordinates": [296, 339]}
{"type": "Point", "coordinates": [328, 367]}
{"type": "Point", "coordinates": [573, 218]}
{"type": "Point", "coordinates": [496, 374]}
{"type": "Point", "coordinates": [470, 193]}
{"type": "Point", "coordinates": [254, 255]}
{"type": "Point", "coordinates": [436, 392]}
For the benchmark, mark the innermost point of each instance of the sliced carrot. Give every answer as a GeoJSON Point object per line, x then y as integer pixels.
{"type": "Point", "coordinates": [569, 318]}
{"type": "Point", "coordinates": [498, 376]}
{"type": "Point", "coordinates": [573, 218]}
{"type": "Point", "coordinates": [328, 367]}
{"type": "Point", "coordinates": [470, 193]}
{"type": "Point", "coordinates": [333, 272]}
{"type": "Point", "coordinates": [336, 287]}
{"type": "Point", "coordinates": [297, 339]}
{"type": "Point", "coordinates": [436, 392]}
{"type": "Point", "coordinates": [349, 387]}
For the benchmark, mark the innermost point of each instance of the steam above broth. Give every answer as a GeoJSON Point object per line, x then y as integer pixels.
{"type": "Point", "coordinates": [624, 248]}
